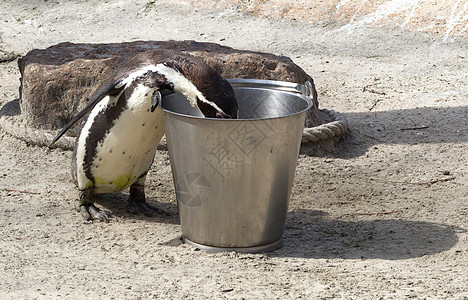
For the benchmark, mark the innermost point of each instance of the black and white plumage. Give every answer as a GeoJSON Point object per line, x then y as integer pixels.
{"type": "Point", "coordinates": [117, 144]}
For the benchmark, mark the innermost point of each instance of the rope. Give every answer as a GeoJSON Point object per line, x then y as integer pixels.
{"type": "Point", "coordinates": [325, 131]}
{"type": "Point", "coordinates": [18, 129]}
{"type": "Point", "coordinates": [41, 137]}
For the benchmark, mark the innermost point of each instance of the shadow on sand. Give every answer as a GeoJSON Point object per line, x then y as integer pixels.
{"type": "Point", "coordinates": [312, 234]}
{"type": "Point", "coordinates": [427, 125]}
{"type": "Point", "coordinates": [116, 204]}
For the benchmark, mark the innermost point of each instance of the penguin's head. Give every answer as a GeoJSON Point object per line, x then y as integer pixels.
{"type": "Point", "coordinates": [201, 85]}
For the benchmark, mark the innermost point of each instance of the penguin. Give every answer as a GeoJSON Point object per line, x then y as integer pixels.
{"type": "Point", "coordinates": [117, 144]}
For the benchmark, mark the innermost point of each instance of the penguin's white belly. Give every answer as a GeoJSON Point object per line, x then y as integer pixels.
{"type": "Point", "coordinates": [128, 150]}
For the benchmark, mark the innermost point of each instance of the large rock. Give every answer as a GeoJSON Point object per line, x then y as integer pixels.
{"type": "Point", "coordinates": [56, 81]}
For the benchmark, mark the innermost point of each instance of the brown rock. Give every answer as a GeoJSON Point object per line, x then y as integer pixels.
{"type": "Point", "coordinates": [56, 81]}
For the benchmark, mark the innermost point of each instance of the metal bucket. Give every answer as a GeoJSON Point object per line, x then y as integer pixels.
{"type": "Point", "coordinates": [233, 178]}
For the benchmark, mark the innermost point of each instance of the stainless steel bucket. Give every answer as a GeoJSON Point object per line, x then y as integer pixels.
{"type": "Point", "coordinates": [233, 178]}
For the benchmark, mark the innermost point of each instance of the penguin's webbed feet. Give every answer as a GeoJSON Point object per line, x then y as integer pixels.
{"type": "Point", "coordinates": [89, 211]}
{"type": "Point", "coordinates": [137, 203]}
{"type": "Point", "coordinates": [92, 213]}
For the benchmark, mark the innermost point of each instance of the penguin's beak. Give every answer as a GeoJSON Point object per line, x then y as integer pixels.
{"type": "Point", "coordinates": [155, 100]}
{"type": "Point", "coordinates": [222, 115]}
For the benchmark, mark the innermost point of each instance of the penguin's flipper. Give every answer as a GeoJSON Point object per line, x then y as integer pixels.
{"type": "Point", "coordinates": [104, 90]}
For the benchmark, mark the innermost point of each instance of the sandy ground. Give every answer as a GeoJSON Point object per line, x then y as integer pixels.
{"type": "Point", "coordinates": [384, 217]}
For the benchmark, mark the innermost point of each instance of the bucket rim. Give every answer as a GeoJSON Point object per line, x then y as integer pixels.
{"type": "Point", "coordinates": [296, 89]}
{"type": "Point", "coordinates": [285, 86]}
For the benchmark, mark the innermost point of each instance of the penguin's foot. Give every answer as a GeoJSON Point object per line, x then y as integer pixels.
{"type": "Point", "coordinates": [92, 213]}
{"type": "Point", "coordinates": [89, 211]}
{"type": "Point", "coordinates": [137, 203]}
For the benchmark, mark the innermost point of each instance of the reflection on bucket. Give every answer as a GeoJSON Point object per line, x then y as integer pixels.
{"type": "Point", "coordinates": [193, 189]}
{"type": "Point", "coordinates": [233, 178]}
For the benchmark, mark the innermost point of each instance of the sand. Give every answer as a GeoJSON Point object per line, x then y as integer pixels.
{"type": "Point", "coordinates": [382, 217]}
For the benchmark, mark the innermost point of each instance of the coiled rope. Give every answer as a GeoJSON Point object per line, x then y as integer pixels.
{"type": "Point", "coordinates": [325, 131]}
{"type": "Point", "coordinates": [17, 128]}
